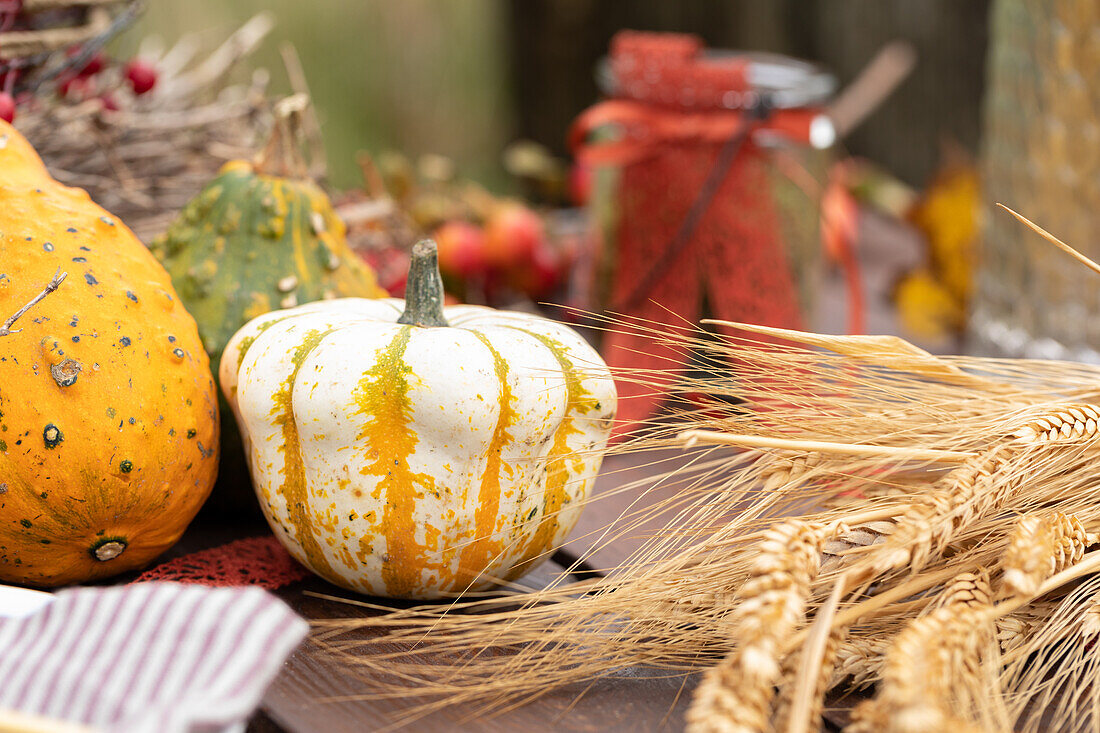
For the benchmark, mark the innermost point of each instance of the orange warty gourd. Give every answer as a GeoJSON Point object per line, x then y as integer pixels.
{"type": "Point", "coordinates": [108, 415]}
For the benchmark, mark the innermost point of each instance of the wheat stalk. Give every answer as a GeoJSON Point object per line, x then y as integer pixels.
{"type": "Point", "coordinates": [735, 695]}
{"type": "Point", "coordinates": [698, 590]}
{"type": "Point", "coordinates": [821, 683]}
{"type": "Point", "coordinates": [692, 438]}
{"type": "Point", "coordinates": [934, 519]}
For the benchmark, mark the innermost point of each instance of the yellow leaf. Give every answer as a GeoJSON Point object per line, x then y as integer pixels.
{"type": "Point", "coordinates": [927, 308]}
{"type": "Point", "coordinates": [947, 215]}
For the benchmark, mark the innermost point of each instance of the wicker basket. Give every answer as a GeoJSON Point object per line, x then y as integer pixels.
{"type": "Point", "coordinates": [55, 25]}
{"type": "Point", "coordinates": [40, 40]}
{"type": "Point", "coordinates": [144, 160]}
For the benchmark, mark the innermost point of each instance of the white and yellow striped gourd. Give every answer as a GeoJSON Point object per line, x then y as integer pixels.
{"type": "Point", "coordinates": [413, 451]}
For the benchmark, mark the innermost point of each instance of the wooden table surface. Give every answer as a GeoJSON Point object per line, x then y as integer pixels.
{"type": "Point", "coordinates": [303, 697]}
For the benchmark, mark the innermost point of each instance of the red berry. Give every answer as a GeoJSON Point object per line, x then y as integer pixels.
{"type": "Point", "coordinates": [7, 107]}
{"type": "Point", "coordinates": [92, 66]}
{"type": "Point", "coordinates": [76, 87]}
{"type": "Point", "coordinates": [141, 75]}
{"type": "Point", "coordinates": [95, 64]}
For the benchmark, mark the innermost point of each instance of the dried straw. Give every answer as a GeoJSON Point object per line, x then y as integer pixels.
{"type": "Point", "coordinates": [146, 160]}
{"type": "Point", "coordinates": [896, 579]}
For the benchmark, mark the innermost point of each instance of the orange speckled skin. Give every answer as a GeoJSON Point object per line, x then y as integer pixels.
{"type": "Point", "coordinates": [123, 457]}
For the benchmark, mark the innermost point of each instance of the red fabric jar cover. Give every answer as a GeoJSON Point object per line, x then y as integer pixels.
{"type": "Point", "coordinates": [674, 108]}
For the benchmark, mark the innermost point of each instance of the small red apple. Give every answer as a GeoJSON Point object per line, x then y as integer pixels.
{"type": "Point", "coordinates": [538, 277]}
{"type": "Point", "coordinates": [141, 75]}
{"type": "Point", "coordinates": [7, 107]}
{"type": "Point", "coordinates": [461, 247]}
{"type": "Point", "coordinates": [513, 234]}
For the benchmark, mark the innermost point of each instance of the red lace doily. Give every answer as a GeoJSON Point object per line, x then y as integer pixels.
{"type": "Point", "coordinates": [259, 561]}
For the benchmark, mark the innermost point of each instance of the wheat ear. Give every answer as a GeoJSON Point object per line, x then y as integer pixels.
{"type": "Point", "coordinates": [782, 470]}
{"type": "Point", "coordinates": [735, 696]}
{"type": "Point", "coordinates": [967, 590]}
{"type": "Point", "coordinates": [1014, 629]}
{"type": "Point", "coordinates": [915, 687]}
{"type": "Point", "coordinates": [1039, 547]}
{"type": "Point", "coordinates": [1028, 555]}
{"type": "Point", "coordinates": [1078, 421]}
{"type": "Point", "coordinates": [972, 489]}
{"type": "Point", "coordinates": [926, 659]}
{"type": "Point", "coordinates": [858, 661]}
{"type": "Point", "coordinates": [837, 550]}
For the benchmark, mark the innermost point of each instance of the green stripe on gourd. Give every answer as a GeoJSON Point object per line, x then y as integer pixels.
{"type": "Point", "coordinates": [252, 242]}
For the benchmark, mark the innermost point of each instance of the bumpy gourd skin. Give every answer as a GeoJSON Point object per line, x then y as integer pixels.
{"type": "Point", "coordinates": [108, 415]}
{"type": "Point", "coordinates": [250, 243]}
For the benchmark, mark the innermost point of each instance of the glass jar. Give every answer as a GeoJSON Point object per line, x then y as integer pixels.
{"type": "Point", "coordinates": [709, 168]}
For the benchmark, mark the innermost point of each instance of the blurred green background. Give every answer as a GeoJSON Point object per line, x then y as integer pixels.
{"type": "Point", "coordinates": [465, 77]}
{"type": "Point", "coordinates": [415, 75]}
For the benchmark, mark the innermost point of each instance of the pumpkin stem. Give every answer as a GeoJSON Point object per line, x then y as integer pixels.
{"type": "Point", "coordinates": [424, 288]}
{"type": "Point", "coordinates": [282, 155]}
{"type": "Point", "coordinates": [52, 285]}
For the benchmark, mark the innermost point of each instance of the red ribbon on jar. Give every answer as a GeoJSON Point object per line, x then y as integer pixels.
{"type": "Point", "coordinates": [643, 130]}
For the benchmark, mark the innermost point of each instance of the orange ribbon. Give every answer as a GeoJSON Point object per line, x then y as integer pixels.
{"type": "Point", "coordinates": [645, 128]}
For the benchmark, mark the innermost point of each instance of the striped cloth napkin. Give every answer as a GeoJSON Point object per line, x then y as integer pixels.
{"type": "Point", "coordinates": [156, 657]}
